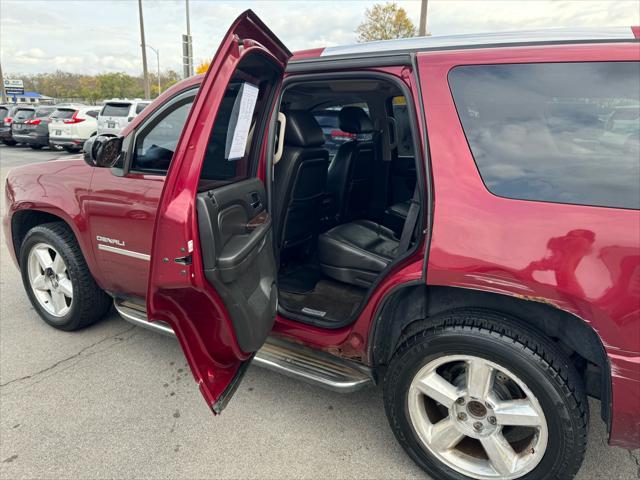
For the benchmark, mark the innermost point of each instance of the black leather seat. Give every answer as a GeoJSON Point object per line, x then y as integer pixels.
{"type": "Point", "coordinates": [356, 252]}
{"type": "Point", "coordinates": [351, 171]}
{"type": "Point", "coordinates": [300, 178]}
{"type": "Point", "coordinates": [396, 215]}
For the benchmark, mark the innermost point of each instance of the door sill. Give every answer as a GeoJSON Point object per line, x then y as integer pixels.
{"type": "Point", "coordinates": [291, 359]}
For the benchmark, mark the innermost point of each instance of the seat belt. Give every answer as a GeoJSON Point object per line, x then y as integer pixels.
{"type": "Point", "coordinates": [410, 223]}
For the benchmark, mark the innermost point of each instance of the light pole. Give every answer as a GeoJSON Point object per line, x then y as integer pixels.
{"type": "Point", "coordinates": [157, 52]}
{"type": "Point", "coordinates": [145, 72]}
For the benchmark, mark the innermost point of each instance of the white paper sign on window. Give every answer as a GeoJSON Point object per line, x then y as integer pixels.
{"type": "Point", "coordinates": [240, 121]}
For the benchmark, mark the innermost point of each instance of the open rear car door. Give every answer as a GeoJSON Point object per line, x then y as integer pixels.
{"type": "Point", "coordinates": [213, 270]}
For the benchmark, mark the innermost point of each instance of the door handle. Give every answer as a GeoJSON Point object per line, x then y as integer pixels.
{"type": "Point", "coordinates": [254, 200]}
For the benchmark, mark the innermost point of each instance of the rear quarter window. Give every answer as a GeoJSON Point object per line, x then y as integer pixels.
{"type": "Point", "coordinates": [3, 112]}
{"type": "Point", "coordinates": [555, 132]}
{"type": "Point", "coordinates": [116, 110]}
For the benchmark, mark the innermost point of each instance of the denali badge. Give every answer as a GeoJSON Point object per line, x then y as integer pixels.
{"type": "Point", "coordinates": [110, 240]}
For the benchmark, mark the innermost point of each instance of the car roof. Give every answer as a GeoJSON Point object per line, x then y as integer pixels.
{"type": "Point", "coordinates": [478, 40]}
{"type": "Point", "coordinates": [126, 100]}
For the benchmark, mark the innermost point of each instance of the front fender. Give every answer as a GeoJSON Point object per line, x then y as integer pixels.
{"type": "Point", "coordinates": [41, 193]}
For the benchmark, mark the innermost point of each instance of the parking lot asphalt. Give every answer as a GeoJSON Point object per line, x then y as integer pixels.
{"type": "Point", "coordinates": [117, 401]}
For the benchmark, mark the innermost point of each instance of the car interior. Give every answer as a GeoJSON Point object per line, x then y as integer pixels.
{"type": "Point", "coordinates": [341, 194]}
{"type": "Point", "coordinates": [340, 205]}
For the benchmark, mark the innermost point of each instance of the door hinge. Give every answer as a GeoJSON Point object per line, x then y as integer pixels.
{"type": "Point", "coordinates": [183, 260]}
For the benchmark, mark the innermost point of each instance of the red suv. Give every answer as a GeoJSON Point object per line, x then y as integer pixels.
{"type": "Point", "coordinates": [474, 246]}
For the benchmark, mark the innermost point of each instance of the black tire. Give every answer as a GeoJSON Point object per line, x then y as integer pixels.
{"type": "Point", "coordinates": [90, 303]}
{"type": "Point", "coordinates": [9, 143]}
{"type": "Point", "coordinates": [70, 149]}
{"type": "Point", "coordinates": [36, 147]}
{"type": "Point", "coordinates": [534, 359]}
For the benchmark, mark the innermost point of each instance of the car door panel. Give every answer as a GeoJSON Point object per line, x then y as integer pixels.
{"type": "Point", "coordinates": [238, 261]}
{"type": "Point", "coordinates": [213, 267]}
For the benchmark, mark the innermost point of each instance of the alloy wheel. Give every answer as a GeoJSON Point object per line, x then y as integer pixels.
{"type": "Point", "coordinates": [49, 279]}
{"type": "Point", "coordinates": [477, 417]}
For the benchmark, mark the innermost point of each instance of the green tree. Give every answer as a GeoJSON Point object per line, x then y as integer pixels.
{"type": "Point", "coordinates": [385, 22]}
{"type": "Point", "coordinates": [93, 89]}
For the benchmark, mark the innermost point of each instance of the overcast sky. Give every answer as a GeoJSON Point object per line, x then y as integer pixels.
{"type": "Point", "coordinates": [91, 36]}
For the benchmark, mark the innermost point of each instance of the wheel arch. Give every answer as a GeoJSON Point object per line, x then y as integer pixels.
{"type": "Point", "coordinates": [417, 307]}
{"type": "Point", "coordinates": [25, 219]}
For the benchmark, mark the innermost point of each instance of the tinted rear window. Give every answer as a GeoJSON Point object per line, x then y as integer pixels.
{"type": "Point", "coordinates": [63, 113]}
{"type": "Point", "coordinates": [327, 120]}
{"type": "Point", "coordinates": [116, 110]}
{"type": "Point", "coordinates": [140, 107]}
{"type": "Point", "coordinates": [557, 132]}
{"type": "Point", "coordinates": [44, 112]}
{"type": "Point", "coordinates": [3, 112]}
{"type": "Point", "coordinates": [92, 113]}
{"type": "Point", "coordinates": [24, 114]}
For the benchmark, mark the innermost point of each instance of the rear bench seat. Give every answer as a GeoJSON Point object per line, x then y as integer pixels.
{"type": "Point", "coordinates": [356, 252]}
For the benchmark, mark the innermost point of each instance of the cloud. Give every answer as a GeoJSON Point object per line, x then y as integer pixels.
{"type": "Point", "coordinates": [97, 36]}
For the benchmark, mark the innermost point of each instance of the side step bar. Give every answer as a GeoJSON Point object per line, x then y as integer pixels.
{"type": "Point", "coordinates": [293, 360]}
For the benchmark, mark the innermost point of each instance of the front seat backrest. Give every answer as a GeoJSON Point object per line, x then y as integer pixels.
{"type": "Point", "coordinates": [351, 171]}
{"type": "Point", "coordinates": [300, 178]}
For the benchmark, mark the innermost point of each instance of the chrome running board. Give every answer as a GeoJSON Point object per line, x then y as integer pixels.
{"type": "Point", "coordinates": [296, 361]}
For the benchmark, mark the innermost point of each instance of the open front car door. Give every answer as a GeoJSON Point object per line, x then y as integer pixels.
{"type": "Point", "coordinates": [213, 270]}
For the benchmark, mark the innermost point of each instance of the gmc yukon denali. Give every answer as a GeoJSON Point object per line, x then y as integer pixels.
{"type": "Point", "coordinates": [472, 243]}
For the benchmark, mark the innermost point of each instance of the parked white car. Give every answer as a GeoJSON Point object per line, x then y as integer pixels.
{"type": "Point", "coordinates": [71, 125]}
{"type": "Point", "coordinates": [117, 113]}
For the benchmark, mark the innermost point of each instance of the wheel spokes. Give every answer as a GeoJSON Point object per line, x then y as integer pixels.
{"type": "Point", "coordinates": [445, 435]}
{"type": "Point", "coordinates": [44, 257]}
{"type": "Point", "coordinates": [39, 283]}
{"type": "Point", "coordinates": [58, 265]}
{"type": "Point", "coordinates": [501, 455]}
{"type": "Point", "coordinates": [517, 413]}
{"type": "Point", "coordinates": [479, 378]}
{"type": "Point", "coordinates": [64, 284]}
{"type": "Point", "coordinates": [58, 300]}
{"type": "Point", "coordinates": [437, 388]}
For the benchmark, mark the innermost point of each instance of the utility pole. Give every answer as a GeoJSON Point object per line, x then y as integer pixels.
{"type": "Point", "coordinates": [145, 72]}
{"type": "Point", "coordinates": [4, 94]}
{"type": "Point", "coordinates": [423, 19]}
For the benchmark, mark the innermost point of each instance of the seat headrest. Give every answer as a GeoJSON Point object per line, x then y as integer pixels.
{"type": "Point", "coordinates": [302, 130]}
{"type": "Point", "coordinates": [354, 120]}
